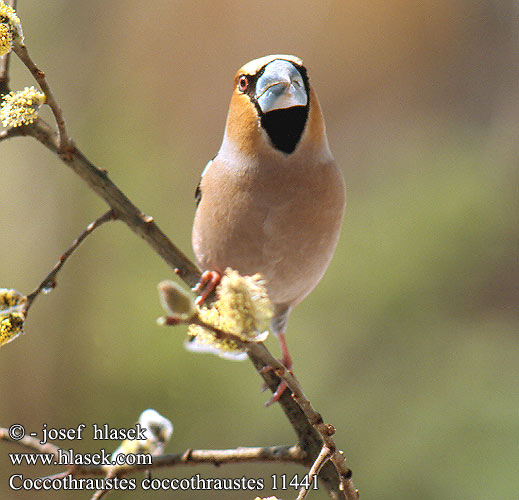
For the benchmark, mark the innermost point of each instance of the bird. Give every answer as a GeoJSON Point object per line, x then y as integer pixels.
{"type": "Point", "coordinates": [272, 200]}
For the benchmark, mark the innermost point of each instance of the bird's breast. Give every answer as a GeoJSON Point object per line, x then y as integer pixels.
{"type": "Point", "coordinates": [281, 219]}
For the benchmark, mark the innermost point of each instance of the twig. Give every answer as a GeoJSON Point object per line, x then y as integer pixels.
{"type": "Point", "coordinates": [31, 443]}
{"type": "Point", "coordinates": [4, 63]}
{"type": "Point", "coordinates": [59, 475]}
{"type": "Point", "coordinates": [144, 226]}
{"type": "Point", "coordinates": [326, 431]}
{"type": "Point", "coordinates": [12, 132]}
{"type": "Point", "coordinates": [99, 494]}
{"type": "Point", "coordinates": [140, 223]}
{"type": "Point", "coordinates": [49, 281]}
{"type": "Point", "coordinates": [277, 454]}
{"type": "Point", "coordinates": [307, 423]}
{"type": "Point", "coordinates": [314, 470]}
{"type": "Point", "coordinates": [64, 141]}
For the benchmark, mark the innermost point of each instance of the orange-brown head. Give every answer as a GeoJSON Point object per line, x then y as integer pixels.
{"type": "Point", "coordinates": [273, 106]}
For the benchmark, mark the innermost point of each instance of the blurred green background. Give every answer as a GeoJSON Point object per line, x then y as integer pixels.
{"type": "Point", "coordinates": [409, 345]}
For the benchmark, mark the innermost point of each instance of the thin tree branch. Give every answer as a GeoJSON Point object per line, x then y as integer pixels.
{"type": "Point", "coordinates": [259, 352]}
{"type": "Point", "coordinates": [307, 423]}
{"type": "Point", "coordinates": [140, 223]}
{"type": "Point", "coordinates": [31, 443]}
{"type": "Point", "coordinates": [12, 132]}
{"type": "Point", "coordinates": [99, 494]}
{"type": "Point", "coordinates": [49, 281]}
{"type": "Point", "coordinates": [144, 226]}
{"type": "Point", "coordinates": [326, 431]}
{"type": "Point", "coordinates": [63, 141]}
{"type": "Point", "coordinates": [277, 454]}
{"type": "Point", "coordinates": [314, 470]}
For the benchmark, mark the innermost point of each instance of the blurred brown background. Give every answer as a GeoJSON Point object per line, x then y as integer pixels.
{"type": "Point", "coordinates": [409, 345]}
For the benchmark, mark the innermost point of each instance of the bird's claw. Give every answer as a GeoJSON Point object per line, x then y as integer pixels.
{"type": "Point", "coordinates": [287, 361]}
{"type": "Point", "coordinates": [208, 282]}
{"type": "Point", "coordinates": [279, 392]}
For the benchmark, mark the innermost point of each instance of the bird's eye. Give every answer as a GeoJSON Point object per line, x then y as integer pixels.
{"type": "Point", "coordinates": [243, 83]}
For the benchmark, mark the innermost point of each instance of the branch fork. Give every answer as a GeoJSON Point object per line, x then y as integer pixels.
{"type": "Point", "coordinates": [315, 449]}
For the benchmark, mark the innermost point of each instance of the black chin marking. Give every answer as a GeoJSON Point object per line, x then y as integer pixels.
{"type": "Point", "coordinates": [285, 126]}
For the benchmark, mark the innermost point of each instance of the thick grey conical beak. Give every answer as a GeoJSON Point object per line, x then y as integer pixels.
{"type": "Point", "coordinates": [280, 86]}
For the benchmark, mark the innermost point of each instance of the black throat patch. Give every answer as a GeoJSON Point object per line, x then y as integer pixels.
{"type": "Point", "coordinates": [285, 126]}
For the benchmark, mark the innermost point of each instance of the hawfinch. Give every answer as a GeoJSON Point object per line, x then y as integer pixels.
{"type": "Point", "coordinates": [272, 200]}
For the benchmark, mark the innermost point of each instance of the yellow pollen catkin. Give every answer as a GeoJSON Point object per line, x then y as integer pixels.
{"type": "Point", "coordinates": [6, 39]}
{"type": "Point", "coordinates": [12, 316]}
{"type": "Point", "coordinates": [21, 108]}
{"type": "Point", "coordinates": [242, 308]}
{"type": "Point", "coordinates": [8, 14]}
{"type": "Point", "coordinates": [11, 325]}
{"type": "Point", "coordinates": [9, 18]}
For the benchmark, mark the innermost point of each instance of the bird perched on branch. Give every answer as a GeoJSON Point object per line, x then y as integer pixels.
{"type": "Point", "coordinates": [272, 200]}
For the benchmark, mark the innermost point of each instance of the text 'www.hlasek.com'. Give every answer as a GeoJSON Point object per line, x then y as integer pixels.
{"type": "Point", "coordinates": [112, 466]}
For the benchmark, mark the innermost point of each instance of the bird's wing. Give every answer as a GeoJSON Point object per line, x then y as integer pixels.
{"type": "Point", "coordinates": [198, 190]}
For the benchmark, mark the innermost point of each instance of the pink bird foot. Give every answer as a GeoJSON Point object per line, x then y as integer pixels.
{"type": "Point", "coordinates": [208, 282]}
